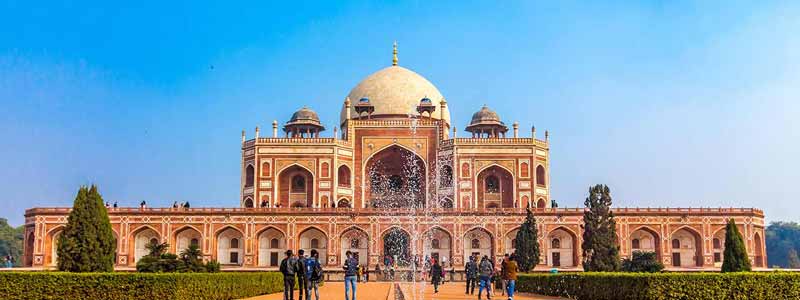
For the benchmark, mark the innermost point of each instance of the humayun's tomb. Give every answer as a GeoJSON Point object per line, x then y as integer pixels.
{"type": "Point", "coordinates": [396, 180]}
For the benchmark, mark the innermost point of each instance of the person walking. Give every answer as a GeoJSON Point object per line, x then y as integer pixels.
{"type": "Point", "coordinates": [314, 274]}
{"type": "Point", "coordinates": [436, 276]}
{"type": "Point", "coordinates": [360, 274]}
{"type": "Point", "coordinates": [503, 270]}
{"type": "Point", "coordinates": [471, 271]}
{"type": "Point", "coordinates": [288, 268]}
{"type": "Point", "coordinates": [302, 279]}
{"type": "Point", "coordinates": [485, 272]}
{"type": "Point", "coordinates": [511, 276]}
{"type": "Point", "coordinates": [350, 276]}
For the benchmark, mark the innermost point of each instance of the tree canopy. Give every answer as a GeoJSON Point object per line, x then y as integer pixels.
{"type": "Point", "coordinates": [735, 257]}
{"type": "Point", "coordinates": [527, 244]}
{"type": "Point", "coordinates": [600, 248]}
{"type": "Point", "coordinates": [87, 243]}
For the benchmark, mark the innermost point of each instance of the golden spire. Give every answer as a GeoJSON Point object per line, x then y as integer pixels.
{"type": "Point", "coordinates": [394, 54]}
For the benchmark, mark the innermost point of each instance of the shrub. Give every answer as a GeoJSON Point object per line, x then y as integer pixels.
{"type": "Point", "coordinates": [642, 262]}
{"type": "Point", "coordinates": [663, 286]}
{"type": "Point", "coordinates": [137, 286]}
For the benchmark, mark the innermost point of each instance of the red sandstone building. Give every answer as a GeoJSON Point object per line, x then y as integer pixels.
{"type": "Point", "coordinates": [397, 181]}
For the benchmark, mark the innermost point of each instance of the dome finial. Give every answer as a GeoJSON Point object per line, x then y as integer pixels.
{"type": "Point", "coordinates": [394, 54]}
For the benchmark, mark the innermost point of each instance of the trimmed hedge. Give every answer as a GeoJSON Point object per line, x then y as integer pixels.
{"type": "Point", "coordinates": [663, 286]}
{"type": "Point", "coordinates": [138, 286]}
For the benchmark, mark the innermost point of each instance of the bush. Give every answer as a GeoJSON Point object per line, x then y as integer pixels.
{"type": "Point", "coordinates": [663, 286]}
{"type": "Point", "coordinates": [642, 262]}
{"type": "Point", "coordinates": [137, 286]}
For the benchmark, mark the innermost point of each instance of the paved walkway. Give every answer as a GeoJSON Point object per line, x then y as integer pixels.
{"type": "Point", "coordinates": [411, 291]}
{"type": "Point", "coordinates": [455, 290]}
{"type": "Point", "coordinates": [335, 290]}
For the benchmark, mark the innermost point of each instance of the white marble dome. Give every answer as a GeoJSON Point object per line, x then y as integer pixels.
{"type": "Point", "coordinates": [396, 91]}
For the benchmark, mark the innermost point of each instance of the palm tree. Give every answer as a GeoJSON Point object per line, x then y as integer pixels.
{"type": "Point", "coordinates": [156, 249]}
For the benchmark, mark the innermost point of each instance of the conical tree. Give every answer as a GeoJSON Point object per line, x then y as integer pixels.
{"type": "Point", "coordinates": [87, 243]}
{"type": "Point", "coordinates": [600, 248]}
{"type": "Point", "coordinates": [735, 257]}
{"type": "Point", "coordinates": [527, 244]}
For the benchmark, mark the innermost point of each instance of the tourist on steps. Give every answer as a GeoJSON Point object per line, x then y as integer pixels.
{"type": "Point", "coordinates": [302, 279]}
{"type": "Point", "coordinates": [350, 276]}
{"type": "Point", "coordinates": [510, 277]}
{"type": "Point", "coordinates": [288, 268]}
{"type": "Point", "coordinates": [485, 272]}
{"type": "Point", "coordinates": [471, 271]}
{"type": "Point", "coordinates": [436, 276]}
{"type": "Point", "coordinates": [314, 274]}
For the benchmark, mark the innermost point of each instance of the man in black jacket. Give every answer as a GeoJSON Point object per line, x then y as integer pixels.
{"type": "Point", "coordinates": [302, 279]}
{"type": "Point", "coordinates": [471, 271]}
{"type": "Point", "coordinates": [288, 269]}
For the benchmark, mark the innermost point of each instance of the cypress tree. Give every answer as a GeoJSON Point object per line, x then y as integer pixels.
{"type": "Point", "coordinates": [527, 244]}
{"type": "Point", "coordinates": [87, 243]}
{"type": "Point", "coordinates": [600, 248]}
{"type": "Point", "coordinates": [734, 258]}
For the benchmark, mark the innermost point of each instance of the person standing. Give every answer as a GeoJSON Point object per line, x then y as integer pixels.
{"type": "Point", "coordinates": [511, 276]}
{"type": "Point", "coordinates": [485, 272]}
{"type": "Point", "coordinates": [350, 276]}
{"type": "Point", "coordinates": [314, 274]}
{"type": "Point", "coordinates": [436, 276]}
{"type": "Point", "coordinates": [471, 271]}
{"type": "Point", "coordinates": [302, 279]}
{"type": "Point", "coordinates": [288, 268]}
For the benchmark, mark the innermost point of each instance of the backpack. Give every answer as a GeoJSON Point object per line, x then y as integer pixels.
{"type": "Point", "coordinates": [314, 269]}
{"type": "Point", "coordinates": [486, 268]}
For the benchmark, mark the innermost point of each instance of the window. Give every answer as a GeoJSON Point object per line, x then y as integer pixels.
{"type": "Point", "coordinates": [325, 169]}
{"type": "Point", "coordinates": [523, 169]}
{"type": "Point", "coordinates": [265, 169]}
{"type": "Point", "coordinates": [344, 176]}
{"type": "Point", "coordinates": [717, 257]}
{"type": "Point", "coordinates": [249, 176]}
{"type": "Point", "coordinates": [555, 244]}
{"type": "Point", "coordinates": [476, 244]}
{"type": "Point", "coordinates": [434, 244]}
{"type": "Point", "coordinates": [635, 244]}
{"type": "Point", "coordinates": [194, 242]}
{"type": "Point", "coordinates": [541, 203]}
{"type": "Point", "coordinates": [234, 258]}
{"type": "Point", "coordinates": [446, 179]}
{"type": "Point", "coordinates": [717, 244]}
{"type": "Point", "coordinates": [514, 243]}
{"type": "Point", "coordinates": [354, 243]}
{"type": "Point", "coordinates": [298, 184]}
{"type": "Point", "coordinates": [540, 177]}
{"type": "Point", "coordinates": [492, 184]}
{"type": "Point", "coordinates": [248, 203]}
{"type": "Point", "coordinates": [234, 243]}
{"type": "Point", "coordinates": [314, 243]}
{"type": "Point", "coordinates": [676, 244]}
{"type": "Point", "coordinates": [274, 243]}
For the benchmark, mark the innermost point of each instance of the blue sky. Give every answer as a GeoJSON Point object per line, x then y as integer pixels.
{"type": "Point", "coordinates": [671, 103]}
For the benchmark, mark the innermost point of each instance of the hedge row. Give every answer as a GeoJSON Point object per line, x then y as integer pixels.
{"type": "Point", "coordinates": [137, 286]}
{"type": "Point", "coordinates": [663, 286]}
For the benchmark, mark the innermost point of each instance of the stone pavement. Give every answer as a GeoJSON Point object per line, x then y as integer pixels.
{"type": "Point", "coordinates": [335, 291]}
{"type": "Point", "coordinates": [455, 290]}
{"type": "Point", "coordinates": [411, 291]}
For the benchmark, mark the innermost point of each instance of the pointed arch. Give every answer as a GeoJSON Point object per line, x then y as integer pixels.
{"type": "Point", "coordinates": [478, 241]}
{"type": "Point", "coordinates": [293, 192]}
{"type": "Point", "coordinates": [249, 175]}
{"type": "Point", "coordinates": [143, 236]}
{"type": "Point", "coordinates": [758, 252]}
{"type": "Point", "coordinates": [651, 243]}
{"type": "Point", "coordinates": [343, 175]}
{"type": "Point", "coordinates": [51, 240]}
{"type": "Point", "coordinates": [391, 179]}
{"type": "Point", "coordinates": [541, 176]}
{"type": "Point", "coordinates": [495, 187]}
{"type": "Point", "coordinates": [185, 236]}
{"type": "Point", "coordinates": [566, 255]}
{"type": "Point", "coordinates": [230, 245]}
{"type": "Point", "coordinates": [690, 250]}
{"type": "Point", "coordinates": [271, 244]}
{"type": "Point", "coordinates": [313, 237]}
{"type": "Point", "coordinates": [437, 243]}
{"type": "Point", "coordinates": [356, 240]}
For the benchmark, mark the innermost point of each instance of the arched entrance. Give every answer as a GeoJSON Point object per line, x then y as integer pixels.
{"type": "Point", "coordinates": [645, 240]}
{"type": "Point", "coordinates": [296, 187]}
{"type": "Point", "coordinates": [29, 241]}
{"type": "Point", "coordinates": [686, 248]}
{"type": "Point", "coordinates": [313, 238]}
{"type": "Point", "coordinates": [146, 236]}
{"type": "Point", "coordinates": [478, 242]}
{"type": "Point", "coordinates": [759, 252]}
{"type": "Point", "coordinates": [562, 248]}
{"type": "Point", "coordinates": [356, 241]}
{"type": "Point", "coordinates": [397, 246]}
{"type": "Point", "coordinates": [271, 246]}
{"type": "Point", "coordinates": [396, 179]}
{"type": "Point", "coordinates": [436, 244]}
{"type": "Point", "coordinates": [510, 242]}
{"type": "Point", "coordinates": [186, 237]}
{"type": "Point", "coordinates": [53, 255]}
{"type": "Point", "coordinates": [230, 247]}
{"type": "Point", "coordinates": [495, 188]}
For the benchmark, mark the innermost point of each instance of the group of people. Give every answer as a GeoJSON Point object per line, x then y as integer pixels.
{"type": "Point", "coordinates": [305, 271]}
{"type": "Point", "coordinates": [483, 274]}
{"type": "Point", "coordinates": [8, 261]}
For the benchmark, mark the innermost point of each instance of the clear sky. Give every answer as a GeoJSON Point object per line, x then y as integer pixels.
{"type": "Point", "coordinates": [671, 103]}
